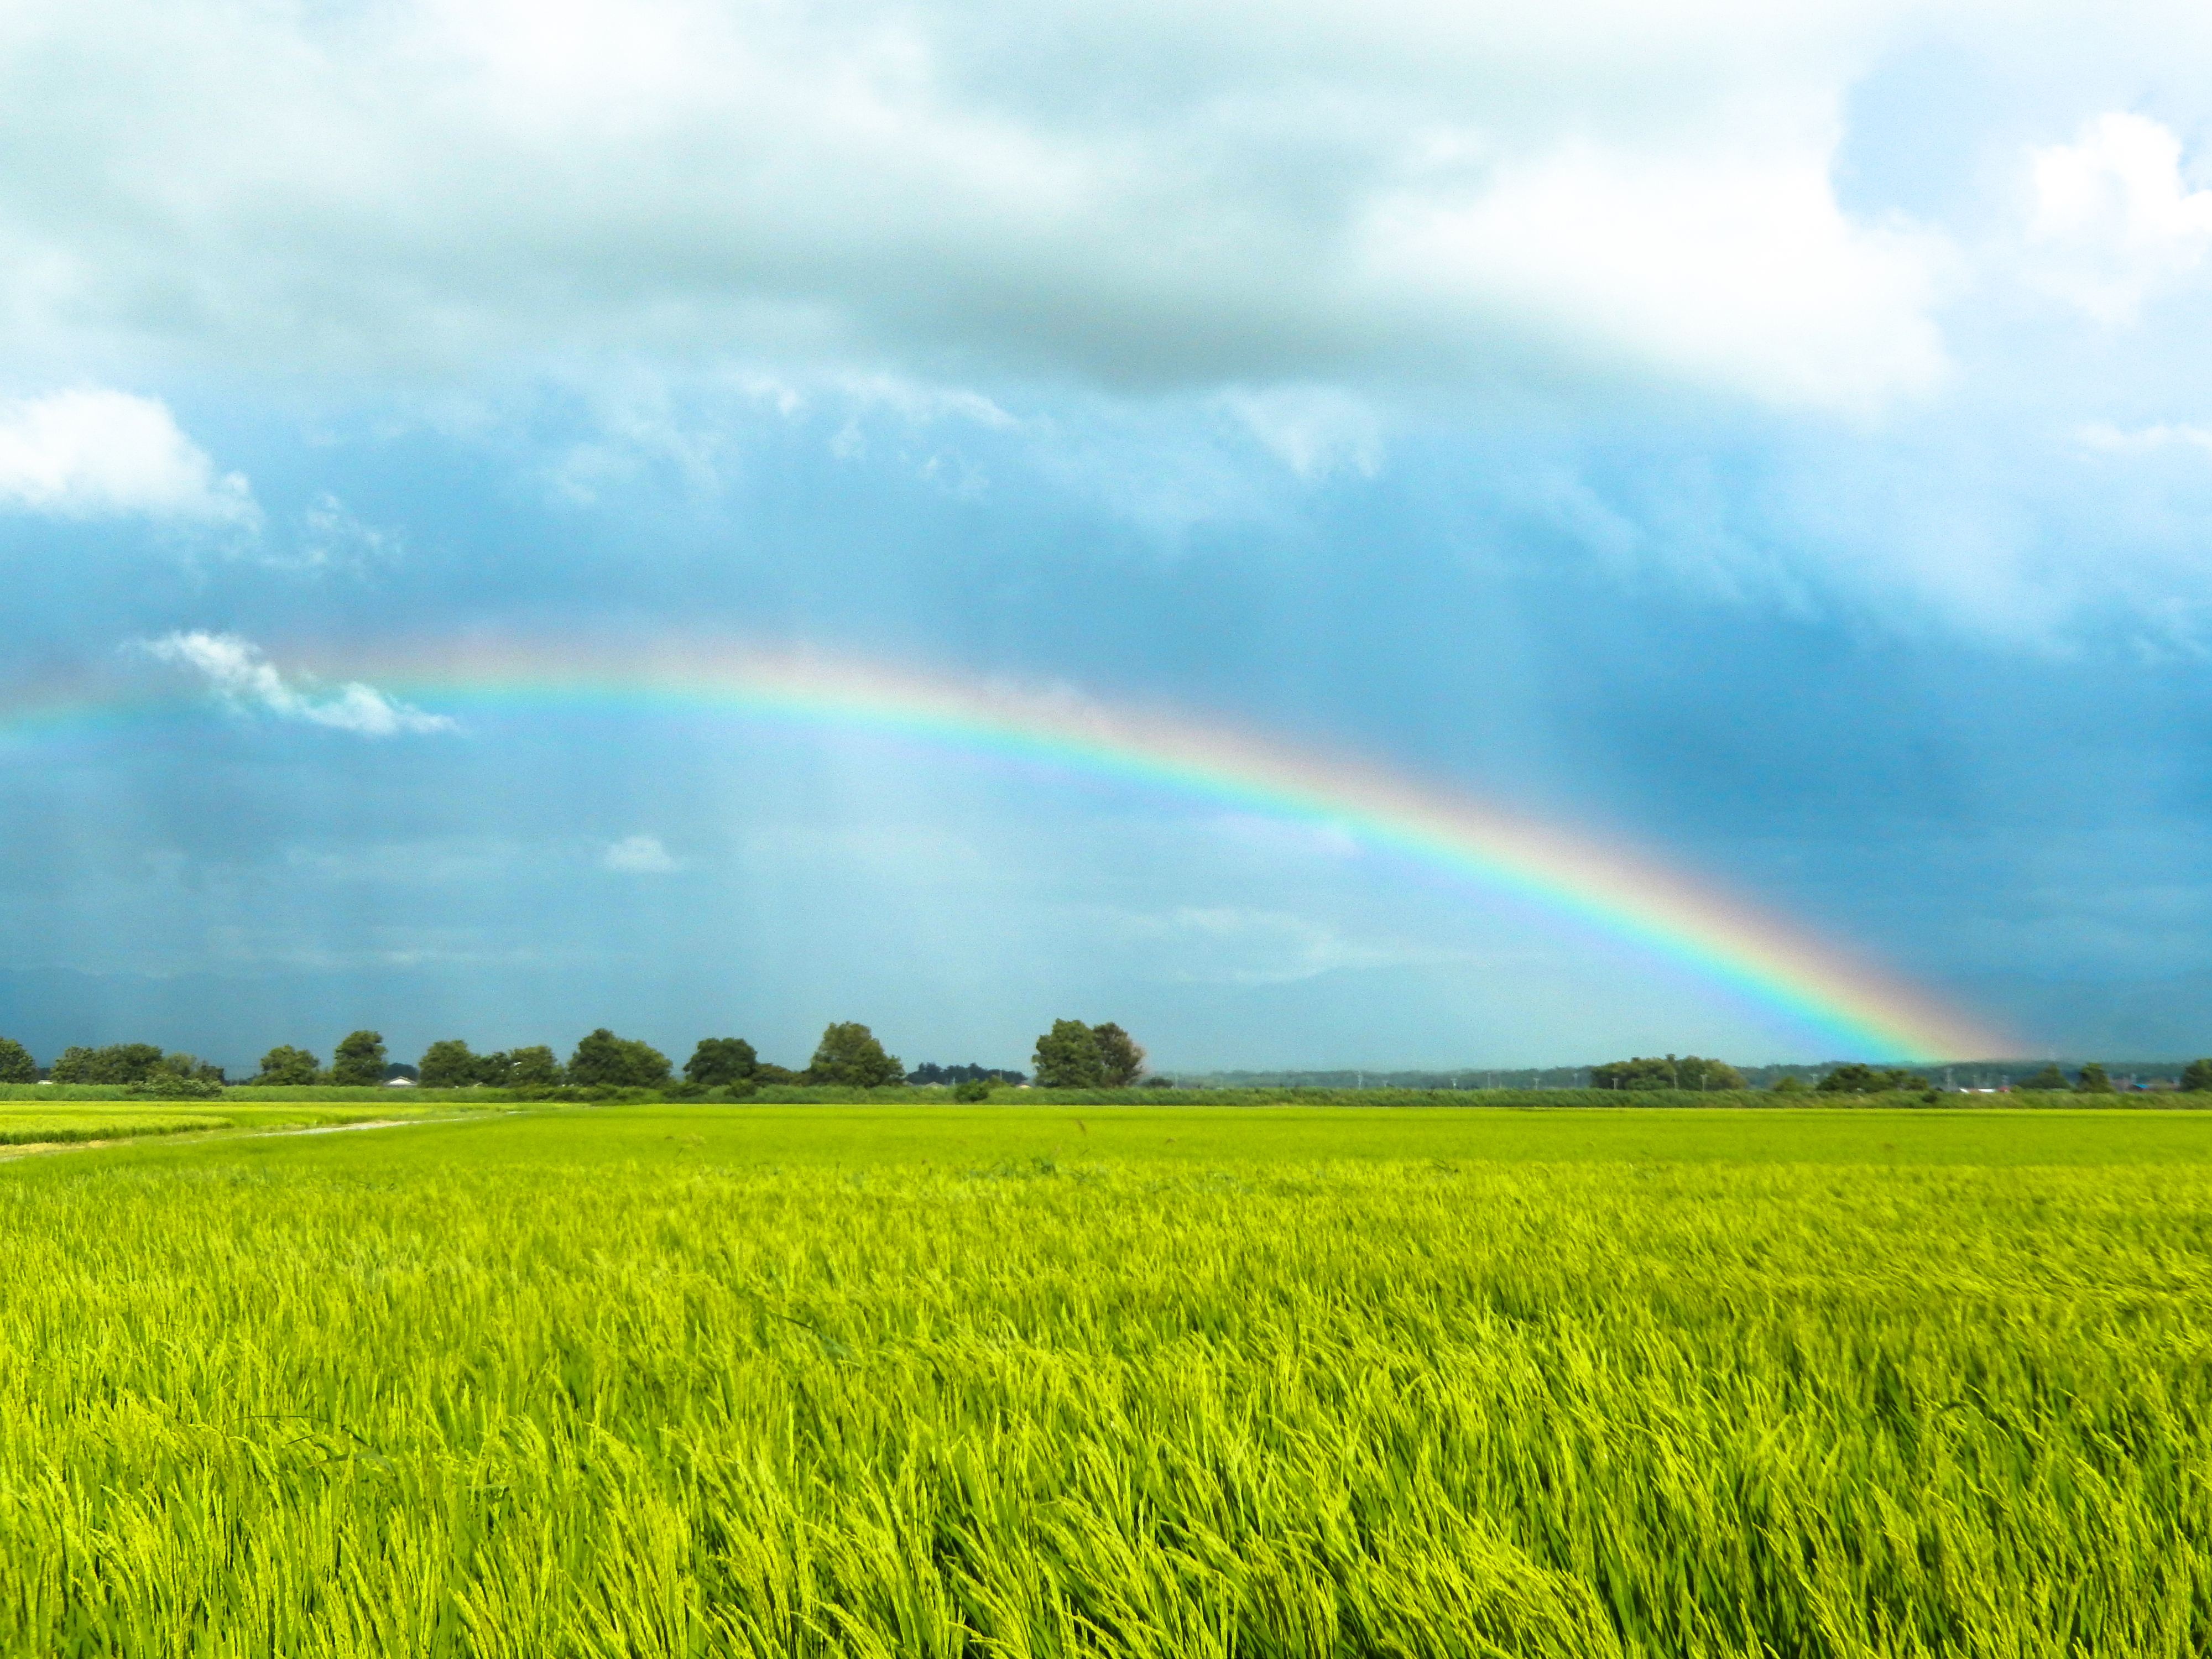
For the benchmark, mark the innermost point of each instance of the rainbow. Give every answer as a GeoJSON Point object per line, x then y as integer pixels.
{"type": "Point", "coordinates": [1718, 939]}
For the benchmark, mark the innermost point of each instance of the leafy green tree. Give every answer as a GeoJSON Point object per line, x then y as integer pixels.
{"type": "Point", "coordinates": [1791, 1083]}
{"type": "Point", "coordinates": [1120, 1061]}
{"type": "Point", "coordinates": [717, 1062]}
{"type": "Point", "coordinates": [448, 1063]}
{"type": "Point", "coordinates": [604, 1060]}
{"type": "Point", "coordinates": [191, 1068]}
{"type": "Point", "coordinates": [972, 1090]}
{"type": "Point", "coordinates": [17, 1065]}
{"type": "Point", "coordinates": [2049, 1078]}
{"type": "Point", "coordinates": [1673, 1071]}
{"type": "Point", "coordinates": [287, 1066]}
{"type": "Point", "coordinates": [2197, 1075]}
{"type": "Point", "coordinates": [1068, 1057]}
{"type": "Point", "coordinates": [849, 1057]}
{"type": "Point", "coordinates": [118, 1062]}
{"type": "Point", "coordinates": [1854, 1079]}
{"type": "Point", "coordinates": [358, 1061]}
{"type": "Point", "coordinates": [2093, 1080]}
{"type": "Point", "coordinates": [536, 1067]}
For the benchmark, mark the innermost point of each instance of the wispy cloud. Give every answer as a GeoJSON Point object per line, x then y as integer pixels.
{"type": "Point", "coordinates": [245, 677]}
{"type": "Point", "coordinates": [640, 855]}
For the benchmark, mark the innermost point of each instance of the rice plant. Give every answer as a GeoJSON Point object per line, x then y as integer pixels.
{"type": "Point", "coordinates": [662, 1382]}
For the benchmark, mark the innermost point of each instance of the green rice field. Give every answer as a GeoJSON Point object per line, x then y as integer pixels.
{"type": "Point", "coordinates": [1095, 1379]}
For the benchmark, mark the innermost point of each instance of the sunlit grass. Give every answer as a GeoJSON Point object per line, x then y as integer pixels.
{"type": "Point", "coordinates": [725, 1380]}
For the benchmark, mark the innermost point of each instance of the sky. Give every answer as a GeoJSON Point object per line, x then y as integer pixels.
{"type": "Point", "coordinates": [1771, 441]}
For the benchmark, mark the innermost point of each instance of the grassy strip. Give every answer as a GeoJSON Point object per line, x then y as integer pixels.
{"type": "Point", "coordinates": [44, 1127]}
{"type": "Point", "coordinates": [20, 1127]}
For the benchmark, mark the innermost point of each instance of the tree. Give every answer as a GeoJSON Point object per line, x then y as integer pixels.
{"type": "Point", "coordinates": [287, 1066]}
{"type": "Point", "coordinates": [969, 1090]}
{"type": "Point", "coordinates": [1791, 1083]}
{"type": "Point", "coordinates": [1120, 1061]}
{"type": "Point", "coordinates": [118, 1062]}
{"type": "Point", "coordinates": [2197, 1075]}
{"type": "Point", "coordinates": [604, 1060]}
{"type": "Point", "coordinates": [535, 1067]}
{"type": "Point", "coordinates": [17, 1065]}
{"type": "Point", "coordinates": [1854, 1079]}
{"type": "Point", "coordinates": [2093, 1080]}
{"type": "Point", "coordinates": [446, 1064]}
{"type": "Point", "coordinates": [849, 1057]}
{"type": "Point", "coordinates": [718, 1062]}
{"type": "Point", "coordinates": [2049, 1078]}
{"type": "Point", "coordinates": [1686, 1072]}
{"type": "Point", "coordinates": [1068, 1057]}
{"type": "Point", "coordinates": [358, 1061]}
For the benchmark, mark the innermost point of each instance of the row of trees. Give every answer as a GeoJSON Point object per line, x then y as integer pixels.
{"type": "Point", "coordinates": [1072, 1055]}
{"type": "Point", "coordinates": [1692, 1072]}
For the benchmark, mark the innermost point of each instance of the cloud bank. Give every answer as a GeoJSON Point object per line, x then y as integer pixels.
{"type": "Point", "coordinates": [1133, 195]}
{"type": "Point", "coordinates": [243, 677]}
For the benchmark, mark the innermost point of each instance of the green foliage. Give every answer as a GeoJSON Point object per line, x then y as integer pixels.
{"type": "Point", "coordinates": [2197, 1077]}
{"type": "Point", "coordinates": [719, 1062]}
{"type": "Point", "coordinates": [604, 1060]}
{"type": "Point", "coordinates": [848, 1054]}
{"type": "Point", "coordinates": [2093, 1080]}
{"type": "Point", "coordinates": [118, 1062]}
{"type": "Point", "coordinates": [974, 1089]}
{"type": "Point", "coordinates": [1120, 1061]}
{"type": "Point", "coordinates": [1069, 1057]}
{"type": "Point", "coordinates": [2049, 1078]}
{"type": "Point", "coordinates": [535, 1067]}
{"type": "Point", "coordinates": [1791, 1083]}
{"type": "Point", "coordinates": [287, 1066]}
{"type": "Point", "coordinates": [1686, 1071]}
{"type": "Point", "coordinates": [1159, 1082]}
{"type": "Point", "coordinates": [17, 1065]}
{"type": "Point", "coordinates": [358, 1061]}
{"type": "Point", "coordinates": [448, 1063]}
{"type": "Point", "coordinates": [1185, 1382]}
{"type": "Point", "coordinates": [167, 1083]}
{"type": "Point", "coordinates": [1854, 1079]}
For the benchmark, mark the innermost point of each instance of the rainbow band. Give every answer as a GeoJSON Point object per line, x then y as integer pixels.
{"type": "Point", "coordinates": [1718, 939]}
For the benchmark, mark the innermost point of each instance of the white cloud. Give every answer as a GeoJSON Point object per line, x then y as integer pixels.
{"type": "Point", "coordinates": [243, 677]}
{"type": "Point", "coordinates": [640, 855]}
{"type": "Point", "coordinates": [2114, 219]}
{"type": "Point", "coordinates": [1303, 192]}
{"type": "Point", "coordinates": [93, 454]}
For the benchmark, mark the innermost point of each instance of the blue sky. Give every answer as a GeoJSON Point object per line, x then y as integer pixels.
{"type": "Point", "coordinates": [1780, 442]}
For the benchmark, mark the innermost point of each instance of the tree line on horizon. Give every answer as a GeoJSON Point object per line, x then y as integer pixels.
{"type": "Point", "coordinates": [1854, 1078]}
{"type": "Point", "coordinates": [1071, 1055]}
